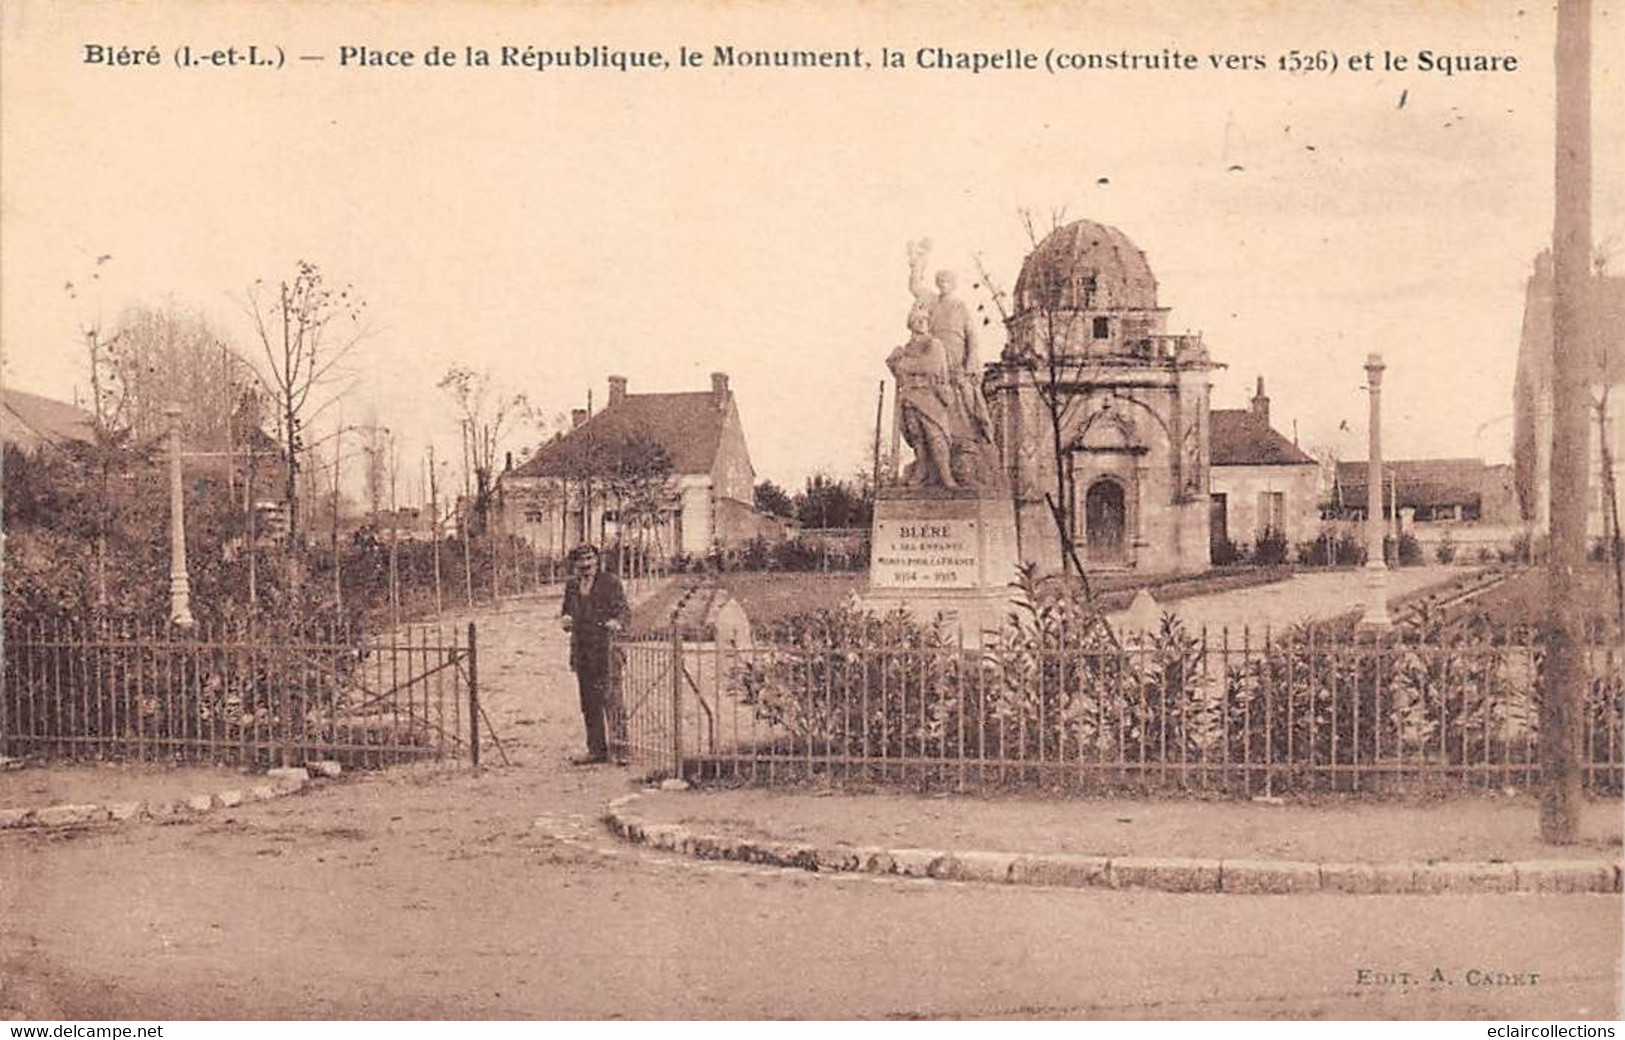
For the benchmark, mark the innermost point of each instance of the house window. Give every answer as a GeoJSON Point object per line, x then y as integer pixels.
{"type": "Point", "coordinates": [1271, 511]}
{"type": "Point", "coordinates": [1103, 328]}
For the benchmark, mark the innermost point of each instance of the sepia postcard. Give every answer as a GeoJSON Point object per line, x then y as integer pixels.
{"type": "Point", "coordinates": [869, 510]}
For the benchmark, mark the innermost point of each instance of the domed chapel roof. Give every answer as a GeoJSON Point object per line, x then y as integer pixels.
{"type": "Point", "coordinates": [1086, 266]}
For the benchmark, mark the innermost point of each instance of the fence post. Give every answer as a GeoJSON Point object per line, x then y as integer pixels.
{"type": "Point", "coordinates": [473, 698]}
{"type": "Point", "coordinates": [676, 700]}
{"type": "Point", "coordinates": [284, 697]}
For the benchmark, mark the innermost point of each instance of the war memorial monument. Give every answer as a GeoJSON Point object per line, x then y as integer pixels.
{"type": "Point", "coordinates": [1094, 418]}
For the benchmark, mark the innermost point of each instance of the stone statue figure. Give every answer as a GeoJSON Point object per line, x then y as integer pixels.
{"type": "Point", "coordinates": [953, 324]}
{"type": "Point", "coordinates": [950, 450]}
{"type": "Point", "coordinates": [942, 413]}
{"type": "Point", "coordinates": [926, 404]}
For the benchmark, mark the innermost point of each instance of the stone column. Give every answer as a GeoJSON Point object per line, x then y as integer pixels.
{"type": "Point", "coordinates": [1376, 571]}
{"type": "Point", "coordinates": [180, 586]}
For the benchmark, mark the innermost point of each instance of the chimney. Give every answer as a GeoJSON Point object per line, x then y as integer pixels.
{"type": "Point", "coordinates": [1261, 404]}
{"type": "Point", "coordinates": [719, 389]}
{"type": "Point", "coordinates": [577, 417]}
{"type": "Point", "coordinates": [617, 390]}
{"type": "Point", "coordinates": [508, 462]}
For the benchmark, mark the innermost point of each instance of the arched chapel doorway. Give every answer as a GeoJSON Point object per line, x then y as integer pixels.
{"type": "Point", "coordinates": [1104, 519]}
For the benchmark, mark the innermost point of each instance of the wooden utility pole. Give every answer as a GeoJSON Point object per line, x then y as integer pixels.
{"type": "Point", "coordinates": [880, 411]}
{"type": "Point", "coordinates": [1566, 666]}
{"type": "Point", "coordinates": [338, 563]}
{"type": "Point", "coordinates": [434, 529]}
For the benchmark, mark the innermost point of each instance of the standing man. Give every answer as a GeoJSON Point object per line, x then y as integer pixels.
{"type": "Point", "coordinates": [595, 609]}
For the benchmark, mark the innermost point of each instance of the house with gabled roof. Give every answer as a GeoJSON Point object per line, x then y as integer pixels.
{"type": "Point", "coordinates": [557, 498]}
{"type": "Point", "coordinates": [29, 422]}
{"type": "Point", "coordinates": [1427, 491]}
{"type": "Point", "coordinates": [1258, 480]}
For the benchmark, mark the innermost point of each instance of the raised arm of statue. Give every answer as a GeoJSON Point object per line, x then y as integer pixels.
{"type": "Point", "coordinates": [917, 254]}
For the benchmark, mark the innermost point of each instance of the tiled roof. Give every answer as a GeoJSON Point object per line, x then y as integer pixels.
{"type": "Point", "coordinates": [687, 425]}
{"type": "Point", "coordinates": [1421, 482]}
{"type": "Point", "coordinates": [1240, 438]}
{"type": "Point", "coordinates": [29, 420]}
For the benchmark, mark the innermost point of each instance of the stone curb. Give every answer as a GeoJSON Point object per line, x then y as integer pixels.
{"type": "Point", "coordinates": [282, 782]}
{"type": "Point", "coordinates": [1162, 874]}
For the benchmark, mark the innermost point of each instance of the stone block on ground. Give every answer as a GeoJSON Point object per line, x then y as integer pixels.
{"type": "Point", "coordinates": [1166, 875]}
{"type": "Point", "coordinates": [1068, 871]}
{"type": "Point", "coordinates": [124, 810]}
{"type": "Point", "coordinates": [262, 792]}
{"type": "Point", "coordinates": [161, 811]}
{"type": "Point", "coordinates": [289, 778]}
{"type": "Point", "coordinates": [1144, 614]}
{"type": "Point", "coordinates": [837, 858]}
{"type": "Point", "coordinates": [793, 854]}
{"type": "Point", "coordinates": [1564, 876]}
{"type": "Point", "coordinates": [663, 835]}
{"type": "Point", "coordinates": [230, 799]}
{"type": "Point", "coordinates": [1364, 879]}
{"type": "Point", "coordinates": [915, 862]}
{"type": "Point", "coordinates": [15, 818]}
{"type": "Point", "coordinates": [974, 866]}
{"type": "Point", "coordinates": [69, 815]}
{"type": "Point", "coordinates": [1469, 878]}
{"type": "Point", "coordinates": [1268, 877]}
{"type": "Point", "coordinates": [327, 768]}
{"type": "Point", "coordinates": [200, 803]}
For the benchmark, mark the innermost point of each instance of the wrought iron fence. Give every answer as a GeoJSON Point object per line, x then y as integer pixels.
{"type": "Point", "coordinates": [1226, 712]}
{"type": "Point", "coordinates": [260, 697]}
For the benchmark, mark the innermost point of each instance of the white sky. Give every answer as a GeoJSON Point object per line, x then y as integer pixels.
{"type": "Point", "coordinates": [559, 227]}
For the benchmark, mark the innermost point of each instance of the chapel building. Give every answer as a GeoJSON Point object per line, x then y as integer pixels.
{"type": "Point", "coordinates": [1092, 379]}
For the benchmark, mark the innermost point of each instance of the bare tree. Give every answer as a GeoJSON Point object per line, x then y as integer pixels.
{"type": "Point", "coordinates": [486, 418]}
{"type": "Point", "coordinates": [169, 356]}
{"type": "Point", "coordinates": [1044, 347]}
{"type": "Point", "coordinates": [638, 475]}
{"type": "Point", "coordinates": [109, 448]}
{"type": "Point", "coordinates": [375, 475]}
{"type": "Point", "coordinates": [1610, 505]}
{"type": "Point", "coordinates": [306, 333]}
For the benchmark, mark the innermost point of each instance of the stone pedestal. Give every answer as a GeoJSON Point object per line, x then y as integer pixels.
{"type": "Point", "coordinates": [941, 552]}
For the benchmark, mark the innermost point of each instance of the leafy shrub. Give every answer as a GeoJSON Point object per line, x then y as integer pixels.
{"type": "Point", "coordinates": [796, 554]}
{"type": "Point", "coordinates": [1525, 549]}
{"type": "Point", "coordinates": [1445, 551]}
{"type": "Point", "coordinates": [1056, 684]}
{"type": "Point", "coordinates": [1271, 548]}
{"type": "Point", "coordinates": [756, 555]}
{"type": "Point", "coordinates": [1227, 553]}
{"type": "Point", "coordinates": [1410, 550]}
{"type": "Point", "coordinates": [1339, 548]}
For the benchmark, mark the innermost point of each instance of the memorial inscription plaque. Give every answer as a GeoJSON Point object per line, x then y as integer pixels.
{"type": "Point", "coordinates": [925, 554]}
